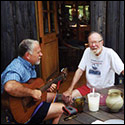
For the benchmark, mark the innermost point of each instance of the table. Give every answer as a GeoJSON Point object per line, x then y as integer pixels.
{"type": "Point", "coordinates": [87, 117]}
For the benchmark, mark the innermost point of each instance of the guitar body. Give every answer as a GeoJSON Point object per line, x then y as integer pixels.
{"type": "Point", "coordinates": [23, 107]}
{"type": "Point", "coordinates": [21, 112]}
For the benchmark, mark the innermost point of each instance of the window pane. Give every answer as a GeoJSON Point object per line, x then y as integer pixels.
{"type": "Point", "coordinates": [44, 5]}
{"type": "Point", "coordinates": [69, 7]}
{"type": "Point", "coordinates": [87, 13]}
{"type": "Point", "coordinates": [80, 12]}
{"type": "Point", "coordinates": [52, 22]}
{"type": "Point", "coordinates": [45, 18]}
{"type": "Point", "coordinates": [51, 5]}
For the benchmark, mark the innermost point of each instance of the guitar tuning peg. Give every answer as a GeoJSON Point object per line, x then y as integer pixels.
{"type": "Point", "coordinates": [62, 69]}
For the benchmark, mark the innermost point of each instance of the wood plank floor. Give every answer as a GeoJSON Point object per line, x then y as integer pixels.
{"type": "Point", "coordinates": [64, 86]}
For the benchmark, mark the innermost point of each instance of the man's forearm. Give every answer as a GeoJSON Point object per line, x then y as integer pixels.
{"type": "Point", "coordinates": [18, 90]}
{"type": "Point", "coordinates": [76, 78]}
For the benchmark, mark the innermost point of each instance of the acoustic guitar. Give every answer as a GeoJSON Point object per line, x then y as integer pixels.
{"type": "Point", "coordinates": [23, 107]}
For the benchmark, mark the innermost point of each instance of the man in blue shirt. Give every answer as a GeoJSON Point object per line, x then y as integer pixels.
{"type": "Point", "coordinates": [22, 69]}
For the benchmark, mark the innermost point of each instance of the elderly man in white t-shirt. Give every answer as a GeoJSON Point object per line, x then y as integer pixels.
{"type": "Point", "coordinates": [100, 63]}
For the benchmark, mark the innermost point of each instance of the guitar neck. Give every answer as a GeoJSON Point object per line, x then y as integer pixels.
{"type": "Point", "coordinates": [46, 86]}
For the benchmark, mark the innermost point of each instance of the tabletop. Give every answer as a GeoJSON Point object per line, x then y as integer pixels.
{"type": "Point", "coordinates": [103, 114]}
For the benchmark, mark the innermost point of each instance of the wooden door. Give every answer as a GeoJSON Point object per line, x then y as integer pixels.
{"type": "Point", "coordinates": [47, 18]}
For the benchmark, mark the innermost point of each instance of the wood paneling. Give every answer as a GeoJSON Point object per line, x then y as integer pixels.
{"type": "Point", "coordinates": [107, 17]}
{"type": "Point", "coordinates": [115, 27]}
{"type": "Point", "coordinates": [121, 30]}
{"type": "Point", "coordinates": [98, 16]}
{"type": "Point", "coordinates": [112, 23]}
{"type": "Point", "coordinates": [51, 58]}
{"type": "Point", "coordinates": [18, 22]}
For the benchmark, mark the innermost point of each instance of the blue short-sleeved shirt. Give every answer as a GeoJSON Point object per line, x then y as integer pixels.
{"type": "Point", "coordinates": [20, 70]}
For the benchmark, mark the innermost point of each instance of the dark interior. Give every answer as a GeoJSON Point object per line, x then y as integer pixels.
{"type": "Point", "coordinates": [74, 27]}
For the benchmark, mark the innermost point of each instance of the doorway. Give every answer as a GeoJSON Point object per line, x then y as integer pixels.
{"type": "Point", "coordinates": [74, 26]}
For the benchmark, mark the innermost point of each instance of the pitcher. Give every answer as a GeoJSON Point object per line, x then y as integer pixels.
{"type": "Point", "coordinates": [114, 100]}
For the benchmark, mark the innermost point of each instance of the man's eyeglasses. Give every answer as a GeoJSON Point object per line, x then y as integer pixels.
{"type": "Point", "coordinates": [95, 42]}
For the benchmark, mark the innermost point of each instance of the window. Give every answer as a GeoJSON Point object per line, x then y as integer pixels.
{"type": "Point", "coordinates": [80, 14]}
{"type": "Point", "coordinates": [48, 16]}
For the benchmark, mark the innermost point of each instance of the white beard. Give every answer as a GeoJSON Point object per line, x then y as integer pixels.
{"type": "Point", "coordinates": [97, 51]}
{"type": "Point", "coordinates": [37, 63]}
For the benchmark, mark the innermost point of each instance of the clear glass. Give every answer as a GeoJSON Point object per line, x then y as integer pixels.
{"type": "Point", "coordinates": [45, 18]}
{"type": "Point", "coordinates": [52, 22]}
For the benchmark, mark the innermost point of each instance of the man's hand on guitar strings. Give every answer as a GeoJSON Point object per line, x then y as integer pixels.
{"type": "Point", "coordinates": [52, 88]}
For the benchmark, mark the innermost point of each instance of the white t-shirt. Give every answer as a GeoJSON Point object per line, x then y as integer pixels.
{"type": "Point", "coordinates": [100, 70]}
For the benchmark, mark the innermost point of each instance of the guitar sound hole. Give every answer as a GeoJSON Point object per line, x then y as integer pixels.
{"type": "Point", "coordinates": [28, 102]}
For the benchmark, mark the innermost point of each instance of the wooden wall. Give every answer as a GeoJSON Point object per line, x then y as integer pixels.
{"type": "Point", "coordinates": [107, 17]}
{"type": "Point", "coordinates": [18, 22]}
{"type": "Point", "coordinates": [98, 16]}
{"type": "Point", "coordinates": [115, 27]}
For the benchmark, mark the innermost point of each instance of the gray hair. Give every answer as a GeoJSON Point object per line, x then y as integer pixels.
{"type": "Point", "coordinates": [27, 45]}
